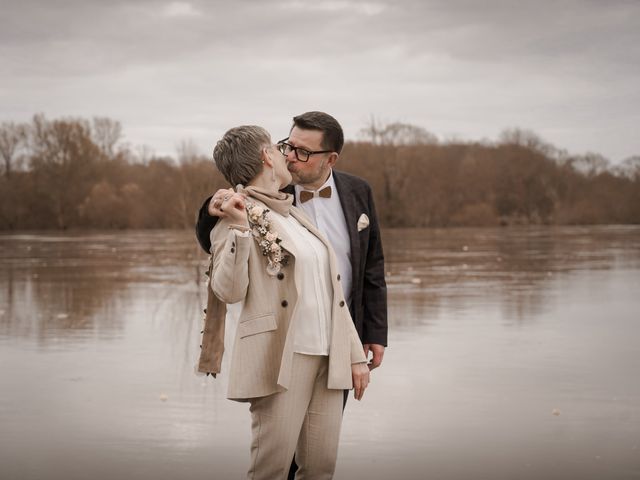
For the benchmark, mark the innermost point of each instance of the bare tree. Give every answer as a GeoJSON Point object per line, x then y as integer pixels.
{"type": "Point", "coordinates": [397, 134]}
{"type": "Point", "coordinates": [106, 133]}
{"type": "Point", "coordinates": [63, 160]}
{"type": "Point", "coordinates": [12, 139]}
{"type": "Point", "coordinates": [188, 152]}
{"type": "Point", "coordinates": [371, 132]}
{"type": "Point", "coordinates": [590, 164]}
{"type": "Point", "coordinates": [144, 154]}
{"type": "Point", "coordinates": [528, 139]}
{"type": "Point", "coordinates": [629, 168]}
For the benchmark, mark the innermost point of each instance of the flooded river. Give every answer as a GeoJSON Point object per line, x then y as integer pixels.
{"type": "Point", "coordinates": [513, 354]}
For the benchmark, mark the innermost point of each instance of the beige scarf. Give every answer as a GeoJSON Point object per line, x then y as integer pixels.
{"type": "Point", "coordinates": [279, 202]}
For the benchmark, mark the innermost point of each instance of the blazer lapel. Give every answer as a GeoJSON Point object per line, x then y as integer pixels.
{"type": "Point", "coordinates": [350, 215]}
{"type": "Point", "coordinates": [286, 241]}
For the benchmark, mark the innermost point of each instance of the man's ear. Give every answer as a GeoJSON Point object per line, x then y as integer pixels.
{"type": "Point", "coordinates": [333, 158]}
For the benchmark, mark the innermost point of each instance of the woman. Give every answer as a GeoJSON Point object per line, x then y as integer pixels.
{"type": "Point", "coordinates": [296, 348]}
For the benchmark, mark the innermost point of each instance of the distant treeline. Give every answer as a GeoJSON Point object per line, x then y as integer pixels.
{"type": "Point", "coordinates": [76, 173]}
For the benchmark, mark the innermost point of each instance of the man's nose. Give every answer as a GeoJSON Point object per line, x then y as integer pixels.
{"type": "Point", "coordinates": [291, 157]}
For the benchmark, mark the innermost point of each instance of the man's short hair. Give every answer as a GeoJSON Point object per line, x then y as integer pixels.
{"type": "Point", "coordinates": [238, 154]}
{"type": "Point", "coordinates": [332, 135]}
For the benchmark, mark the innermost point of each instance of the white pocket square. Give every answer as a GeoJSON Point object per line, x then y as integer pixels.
{"type": "Point", "coordinates": [363, 222]}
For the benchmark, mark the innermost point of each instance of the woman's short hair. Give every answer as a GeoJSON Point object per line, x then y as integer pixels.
{"type": "Point", "coordinates": [238, 154]}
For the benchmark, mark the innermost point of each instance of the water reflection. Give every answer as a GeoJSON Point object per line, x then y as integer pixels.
{"type": "Point", "coordinates": [79, 282]}
{"type": "Point", "coordinates": [516, 269]}
{"type": "Point", "coordinates": [75, 283]}
{"type": "Point", "coordinates": [492, 329]}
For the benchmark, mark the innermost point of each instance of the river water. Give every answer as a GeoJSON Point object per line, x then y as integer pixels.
{"type": "Point", "coordinates": [513, 354]}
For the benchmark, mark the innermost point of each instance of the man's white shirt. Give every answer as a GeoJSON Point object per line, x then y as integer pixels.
{"type": "Point", "coordinates": [328, 217]}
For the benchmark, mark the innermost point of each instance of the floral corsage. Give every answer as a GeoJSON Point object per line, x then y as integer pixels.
{"type": "Point", "coordinates": [267, 238]}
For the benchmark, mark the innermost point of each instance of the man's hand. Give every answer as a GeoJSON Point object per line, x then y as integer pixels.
{"type": "Point", "coordinates": [360, 375]}
{"type": "Point", "coordinates": [216, 202]}
{"type": "Point", "coordinates": [377, 352]}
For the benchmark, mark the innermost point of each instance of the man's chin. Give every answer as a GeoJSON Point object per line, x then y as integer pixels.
{"type": "Point", "coordinates": [295, 179]}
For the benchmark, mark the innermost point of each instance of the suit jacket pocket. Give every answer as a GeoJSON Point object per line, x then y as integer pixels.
{"type": "Point", "coordinates": [258, 324]}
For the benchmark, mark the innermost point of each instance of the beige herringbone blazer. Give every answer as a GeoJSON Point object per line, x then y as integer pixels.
{"type": "Point", "coordinates": [263, 346]}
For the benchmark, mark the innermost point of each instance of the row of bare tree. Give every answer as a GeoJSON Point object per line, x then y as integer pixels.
{"type": "Point", "coordinates": [519, 179]}
{"type": "Point", "coordinates": [75, 173]}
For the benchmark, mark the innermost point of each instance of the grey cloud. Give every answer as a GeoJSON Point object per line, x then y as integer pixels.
{"type": "Point", "coordinates": [462, 66]}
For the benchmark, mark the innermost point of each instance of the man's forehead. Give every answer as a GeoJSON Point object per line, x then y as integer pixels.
{"type": "Point", "coordinates": [311, 139]}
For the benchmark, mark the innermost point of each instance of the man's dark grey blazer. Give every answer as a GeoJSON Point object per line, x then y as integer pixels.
{"type": "Point", "coordinates": [368, 288]}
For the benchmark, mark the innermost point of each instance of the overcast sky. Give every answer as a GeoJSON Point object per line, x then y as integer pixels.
{"type": "Point", "coordinates": [467, 69]}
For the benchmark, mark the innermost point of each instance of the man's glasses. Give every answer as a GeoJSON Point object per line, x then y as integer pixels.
{"type": "Point", "coordinates": [301, 154]}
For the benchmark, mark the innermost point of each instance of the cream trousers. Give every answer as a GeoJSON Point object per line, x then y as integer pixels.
{"type": "Point", "coordinates": [304, 420]}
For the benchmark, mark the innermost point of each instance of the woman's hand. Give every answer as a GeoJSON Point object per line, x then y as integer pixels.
{"type": "Point", "coordinates": [360, 375]}
{"type": "Point", "coordinates": [216, 202]}
{"type": "Point", "coordinates": [233, 207]}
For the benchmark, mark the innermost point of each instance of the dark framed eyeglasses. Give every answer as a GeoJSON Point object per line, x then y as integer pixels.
{"type": "Point", "coordinates": [301, 154]}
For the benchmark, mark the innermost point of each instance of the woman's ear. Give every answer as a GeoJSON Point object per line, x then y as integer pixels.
{"type": "Point", "coordinates": [266, 159]}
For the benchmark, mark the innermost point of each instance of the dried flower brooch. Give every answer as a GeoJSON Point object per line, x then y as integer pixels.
{"type": "Point", "coordinates": [267, 238]}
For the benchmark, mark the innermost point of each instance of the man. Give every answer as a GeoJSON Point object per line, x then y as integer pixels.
{"type": "Point", "coordinates": [341, 206]}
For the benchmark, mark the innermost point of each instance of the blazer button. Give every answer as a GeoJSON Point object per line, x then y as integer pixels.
{"type": "Point", "coordinates": [342, 303]}
{"type": "Point", "coordinates": [280, 276]}
{"type": "Point", "coordinates": [284, 303]}
{"type": "Point", "coordinates": [233, 250]}
{"type": "Point", "coordinates": [338, 277]}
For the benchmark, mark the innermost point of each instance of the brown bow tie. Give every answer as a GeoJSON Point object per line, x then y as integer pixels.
{"type": "Point", "coordinates": [306, 195]}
